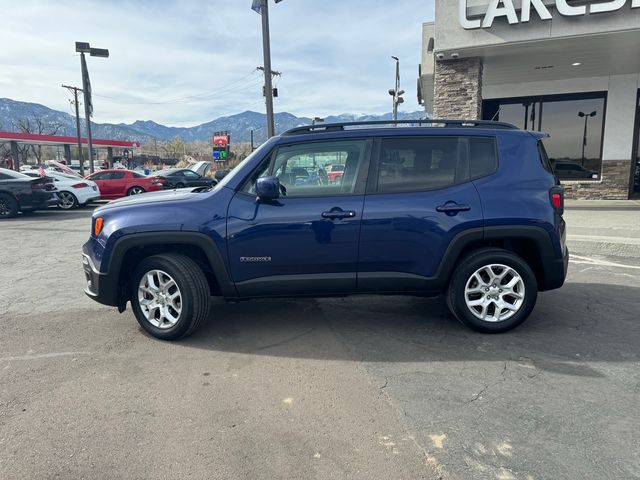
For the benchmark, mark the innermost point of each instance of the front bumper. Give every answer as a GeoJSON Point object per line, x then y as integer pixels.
{"type": "Point", "coordinates": [100, 286]}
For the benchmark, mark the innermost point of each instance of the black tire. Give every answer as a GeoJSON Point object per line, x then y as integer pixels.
{"type": "Point", "coordinates": [180, 185]}
{"type": "Point", "coordinates": [71, 198]}
{"type": "Point", "coordinates": [8, 206]}
{"type": "Point", "coordinates": [194, 291]}
{"type": "Point", "coordinates": [135, 191]}
{"type": "Point", "coordinates": [455, 295]}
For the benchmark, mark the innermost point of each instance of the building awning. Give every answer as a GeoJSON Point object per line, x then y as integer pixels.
{"type": "Point", "coordinates": [38, 139]}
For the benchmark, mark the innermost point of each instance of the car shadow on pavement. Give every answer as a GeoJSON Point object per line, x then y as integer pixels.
{"type": "Point", "coordinates": [569, 329]}
{"type": "Point", "coordinates": [51, 214]}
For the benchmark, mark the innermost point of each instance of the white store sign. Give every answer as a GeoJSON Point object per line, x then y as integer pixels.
{"type": "Point", "coordinates": [506, 8]}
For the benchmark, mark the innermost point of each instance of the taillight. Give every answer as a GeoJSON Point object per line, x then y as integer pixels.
{"type": "Point", "coordinates": [158, 180]}
{"type": "Point", "coordinates": [79, 185]}
{"type": "Point", "coordinates": [97, 226]}
{"type": "Point", "coordinates": [556, 194]}
{"type": "Point", "coordinates": [41, 185]}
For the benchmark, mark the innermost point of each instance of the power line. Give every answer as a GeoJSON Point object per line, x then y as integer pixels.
{"type": "Point", "coordinates": [234, 87]}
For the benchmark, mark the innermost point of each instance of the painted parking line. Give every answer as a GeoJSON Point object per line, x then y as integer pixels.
{"type": "Point", "coordinates": [604, 238]}
{"type": "Point", "coordinates": [42, 355]}
{"type": "Point", "coordinates": [602, 263]}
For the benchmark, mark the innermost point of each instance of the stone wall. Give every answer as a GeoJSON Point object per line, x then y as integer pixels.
{"type": "Point", "coordinates": [613, 186]}
{"type": "Point", "coordinates": [458, 89]}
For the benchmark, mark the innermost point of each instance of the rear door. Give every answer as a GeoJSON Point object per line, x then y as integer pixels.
{"type": "Point", "coordinates": [306, 242]}
{"type": "Point", "coordinates": [419, 196]}
{"type": "Point", "coordinates": [119, 183]}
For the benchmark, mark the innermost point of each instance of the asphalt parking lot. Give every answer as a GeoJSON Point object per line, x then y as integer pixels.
{"type": "Point", "coordinates": [370, 387]}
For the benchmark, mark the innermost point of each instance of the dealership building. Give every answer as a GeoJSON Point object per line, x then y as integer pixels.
{"type": "Point", "coordinates": [570, 68]}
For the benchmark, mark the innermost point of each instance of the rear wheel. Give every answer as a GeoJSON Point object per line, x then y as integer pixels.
{"type": "Point", "coordinates": [492, 291]}
{"type": "Point", "coordinates": [179, 185]}
{"type": "Point", "coordinates": [135, 191]}
{"type": "Point", "coordinates": [169, 295]}
{"type": "Point", "coordinates": [8, 206]}
{"type": "Point", "coordinates": [67, 200]}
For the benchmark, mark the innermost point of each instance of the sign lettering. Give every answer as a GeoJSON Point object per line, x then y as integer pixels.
{"type": "Point", "coordinates": [506, 8]}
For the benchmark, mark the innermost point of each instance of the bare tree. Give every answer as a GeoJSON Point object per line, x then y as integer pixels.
{"type": "Point", "coordinates": [35, 125]}
{"type": "Point", "coordinates": [174, 149]}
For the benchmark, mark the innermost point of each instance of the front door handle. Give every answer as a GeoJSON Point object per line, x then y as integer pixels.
{"type": "Point", "coordinates": [451, 208]}
{"type": "Point", "coordinates": [337, 213]}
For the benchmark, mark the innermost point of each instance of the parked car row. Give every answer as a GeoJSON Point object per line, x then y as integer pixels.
{"type": "Point", "coordinates": [72, 191]}
{"type": "Point", "coordinates": [23, 191]}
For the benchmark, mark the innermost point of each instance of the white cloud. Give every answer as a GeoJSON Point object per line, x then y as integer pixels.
{"type": "Point", "coordinates": [334, 55]}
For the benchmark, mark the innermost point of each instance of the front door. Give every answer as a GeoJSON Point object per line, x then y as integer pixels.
{"type": "Point", "coordinates": [305, 242]}
{"type": "Point", "coordinates": [419, 196]}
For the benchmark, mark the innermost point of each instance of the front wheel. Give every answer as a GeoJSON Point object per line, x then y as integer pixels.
{"type": "Point", "coordinates": [135, 191]}
{"type": "Point", "coordinates": [67, 200]}
{"type": "Point", "coordinates": [8, 206]}
{"type": "Point", "coordinates": [492, 291]}
{"type": "Point", "coordinates": [169, 295]}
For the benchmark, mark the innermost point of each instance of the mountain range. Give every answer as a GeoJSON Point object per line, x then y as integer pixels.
{"type": "Point", "coordinates": [239, 125]}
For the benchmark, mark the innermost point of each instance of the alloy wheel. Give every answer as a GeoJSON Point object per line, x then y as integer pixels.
{"type": "Point", "coordinates": [67, 200]}
{"type": "Point", "coordinates": [160, 299]}
{"type": "Point", "coordinates": [494, 293]}
{"type": "Point", "coordinates": [5, 209]}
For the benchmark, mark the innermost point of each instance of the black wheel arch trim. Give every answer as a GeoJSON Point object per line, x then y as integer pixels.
{"type": "Point", "coordinates": [554, 267]}
{"type": "Point", "coordinates": [109, 291]}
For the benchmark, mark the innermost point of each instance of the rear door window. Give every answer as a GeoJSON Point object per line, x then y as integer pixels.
{"type": "Point", "coordinates": [420, 164]}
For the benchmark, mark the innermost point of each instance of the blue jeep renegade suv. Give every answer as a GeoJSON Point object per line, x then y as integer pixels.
{"type": "Point", "coordinates": [468, 209]}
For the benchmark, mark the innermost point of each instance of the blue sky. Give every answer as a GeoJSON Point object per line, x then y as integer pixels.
{"type": "Point", "coordinates": [185, 62]}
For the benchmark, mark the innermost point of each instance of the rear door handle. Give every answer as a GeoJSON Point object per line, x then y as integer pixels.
{"type": "Point", "coordinates": [336, 213]}
{"type": "Point", "coordinates": [451, 208]}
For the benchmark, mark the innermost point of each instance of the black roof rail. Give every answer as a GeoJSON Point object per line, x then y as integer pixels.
{"type": "Point", "coordinates": [332, 127]}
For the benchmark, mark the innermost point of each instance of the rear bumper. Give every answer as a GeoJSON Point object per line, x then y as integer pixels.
{"type": "Point", "coordinates": [555, 272]}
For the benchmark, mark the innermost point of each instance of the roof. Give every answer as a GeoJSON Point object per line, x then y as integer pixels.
{"type": "Point", "coordinates": [62, 140]}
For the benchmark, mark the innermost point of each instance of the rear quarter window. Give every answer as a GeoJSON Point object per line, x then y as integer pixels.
{"type": "Point", "coordinates": [544, 158]}
{"type": "Point", "coordinates": [483, 159]}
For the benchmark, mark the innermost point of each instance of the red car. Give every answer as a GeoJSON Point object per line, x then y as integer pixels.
{"type": "Point", "coordinates": [119, 183]}
{"type": "Point", "coordinates": [335, 173]}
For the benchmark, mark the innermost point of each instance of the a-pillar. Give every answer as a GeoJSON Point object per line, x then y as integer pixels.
{"type": "Point", "coordinates": [67, 154]}
{"type": "Point", "coordinates": [14, 154]}
{"type": "Point", "coordinates": [110, 156]}
{"type": "Point", "coordinates": [458, 89]}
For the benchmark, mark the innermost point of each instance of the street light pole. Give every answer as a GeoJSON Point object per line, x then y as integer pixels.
{"type": "Point", "coordinates": [87, 108]}
{"type": "Point", "coordinates": [584, 134]}
{"type": "Point", "coordinates": [82, 48]}
{"type": "Point", "coordinates": [396, 92]}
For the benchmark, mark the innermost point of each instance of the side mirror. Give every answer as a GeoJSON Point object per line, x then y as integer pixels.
{"type": "Point", "coordinates": [268, 188]}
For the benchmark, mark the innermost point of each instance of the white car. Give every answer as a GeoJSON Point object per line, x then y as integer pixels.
{"type": "Point", "coordinates": [72, 191]}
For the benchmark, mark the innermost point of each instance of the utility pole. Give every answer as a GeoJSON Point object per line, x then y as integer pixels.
{"type": "Point", "coordinates": [75, 102]}
{"type": "Point", "coordinates": [266, 50]}
{"type": "Point", "coordinates": [396, 92]}
{"type": "Point", "coordinates": [262, 7]}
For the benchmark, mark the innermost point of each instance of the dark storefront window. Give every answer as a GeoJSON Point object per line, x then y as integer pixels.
{"type": "Point", "coordinates": [575, 123]}
{"type": "Point", "coordinates": [636, 156]}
